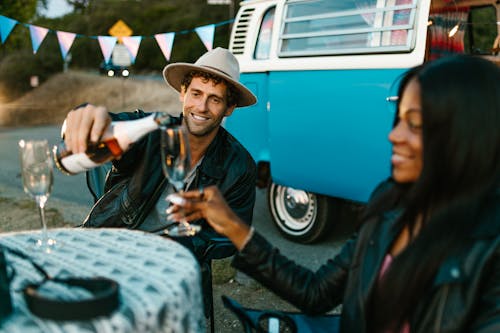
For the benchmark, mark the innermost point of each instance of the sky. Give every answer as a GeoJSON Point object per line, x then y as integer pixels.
{"type": "Point", "coordinates": [57, 8]}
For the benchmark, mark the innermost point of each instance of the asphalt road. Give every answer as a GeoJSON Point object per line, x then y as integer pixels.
{"type": "Point", "coordinates": [74, 189]}
{"type": "Point", "coordinates": [70, 188]}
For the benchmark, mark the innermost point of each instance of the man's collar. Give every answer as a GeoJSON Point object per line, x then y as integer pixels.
{"type": "Point", "coordinates": [213, 161]}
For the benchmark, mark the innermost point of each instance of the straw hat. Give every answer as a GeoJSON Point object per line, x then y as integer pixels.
{"type": "Point", "coordinates": [219, 62]}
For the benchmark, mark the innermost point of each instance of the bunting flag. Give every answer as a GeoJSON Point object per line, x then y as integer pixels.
{"type": "Point", "coordinates": [165, 41]}
{"type": "Point", "coordinates": [206, 34]}
{"type": "Point", "coordinates": [132, 44]}
{"type": "Point", "coordinates": [107, 45]}
{"type": "Point", "coordinates": [6, 26]}
{"type": "Point", "coordinates": [65, 41]}
{"type": "Point", "coordinates": [37, 36]}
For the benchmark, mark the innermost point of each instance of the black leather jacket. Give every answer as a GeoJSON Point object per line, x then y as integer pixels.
{"type": "Point", "coordinates": [136, 181]}
{"type": "Point", "coordinates": [466, 290]}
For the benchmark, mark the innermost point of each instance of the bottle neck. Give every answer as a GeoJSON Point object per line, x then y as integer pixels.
{"type": "Point", "coordinates": [128, 132]}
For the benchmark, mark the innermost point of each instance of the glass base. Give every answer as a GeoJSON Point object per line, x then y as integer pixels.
{"type": "Point", "coordinates": [48, 245]}
{"type": "Point", "coordinates": [182, 229]}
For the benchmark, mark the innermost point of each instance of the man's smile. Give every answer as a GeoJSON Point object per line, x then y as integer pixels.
{"type": "Point", "coordinates": [198, 117]}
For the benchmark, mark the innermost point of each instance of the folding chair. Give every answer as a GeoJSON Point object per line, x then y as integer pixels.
{"type": "Point", "coordinates": [273, 321]}
{"type": "Point", "coordinates": [218, 248]}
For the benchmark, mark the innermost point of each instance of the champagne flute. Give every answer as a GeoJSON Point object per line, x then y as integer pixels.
{"type": "Point", "coordinates": [36, 167]}
{"type": "Point", "coordinates": [176, 164]}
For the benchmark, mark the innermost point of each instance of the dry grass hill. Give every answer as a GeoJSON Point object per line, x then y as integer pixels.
{"type": "Point", "coordinates": [49, 103]}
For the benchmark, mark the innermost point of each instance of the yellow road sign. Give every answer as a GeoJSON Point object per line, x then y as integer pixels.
{"type": "Point", "coordinates": [120, 29]}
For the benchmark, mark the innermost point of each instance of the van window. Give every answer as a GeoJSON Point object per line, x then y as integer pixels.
{"type": "Point", "coordinates": [264, 38]}
{"type": "Point", "coordinates": [323, 27]}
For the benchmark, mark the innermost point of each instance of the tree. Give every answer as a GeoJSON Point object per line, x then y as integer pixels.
{"type": "Point", "coordinates": [79, 6]}
{"type": "Point", "coordinates": [20, 10]}
{"type": "Point", "coordinates": [92, 18]}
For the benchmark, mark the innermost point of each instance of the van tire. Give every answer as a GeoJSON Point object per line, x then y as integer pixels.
{"type": "Point", "coordinates": [300, 216]}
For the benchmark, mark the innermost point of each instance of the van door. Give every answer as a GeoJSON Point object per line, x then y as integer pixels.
{"type": "Point", "coordinates": [251, 40]}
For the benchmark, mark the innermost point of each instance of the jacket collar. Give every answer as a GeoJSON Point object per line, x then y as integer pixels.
{"type": "Point", "coordinates": [381, 235]}
{"type": "Point", "coordinates": [213, 162]}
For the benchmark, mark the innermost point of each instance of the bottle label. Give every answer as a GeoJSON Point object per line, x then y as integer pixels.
{"type": "Point", "coordinates": [77, 163]}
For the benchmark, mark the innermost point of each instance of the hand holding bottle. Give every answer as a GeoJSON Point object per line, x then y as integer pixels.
{"type": "Point", "coordinates": [91, 139]}
{"type": "Point", "coordinates": [86, 123]}
{"type": "Point", "coordinates": [210, 205]}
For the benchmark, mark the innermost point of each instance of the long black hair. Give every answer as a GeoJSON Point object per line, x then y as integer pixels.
{"type": "Point", "coordinates": [459, 182]}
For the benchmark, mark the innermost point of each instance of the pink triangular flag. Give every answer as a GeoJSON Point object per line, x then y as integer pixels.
{"type": "Point", "coordinates": [206, 34]}
{"type": "Point", "coordinates": [37, 36]}
{"type": "Point", "coordinates": [65, 41]}
{"type": "Point", "coordinates": [107, 44]}
{"type": "Point", "coordinates": [165, 41]}
{"type": "Point", "coordinates": [132, 44]}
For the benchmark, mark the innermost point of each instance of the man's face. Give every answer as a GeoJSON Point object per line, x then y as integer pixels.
{"type": "Point", "coordinates": [204, 106]}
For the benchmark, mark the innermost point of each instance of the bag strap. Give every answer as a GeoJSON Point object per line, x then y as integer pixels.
{"type": "Point", "coordinates": [104, 300]}
{"type": "Point", "coordinates": [104, 297]}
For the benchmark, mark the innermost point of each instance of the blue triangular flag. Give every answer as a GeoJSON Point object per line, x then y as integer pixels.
{"type": "Point", "coordinates": [6, 26]}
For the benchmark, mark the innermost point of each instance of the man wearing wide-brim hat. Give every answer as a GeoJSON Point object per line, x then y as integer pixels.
{"type": "Point", "coordinates": [209, 90]}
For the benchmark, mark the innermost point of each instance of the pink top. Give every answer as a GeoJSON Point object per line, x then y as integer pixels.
{"type": "Point", "coordinates": [385, 265]}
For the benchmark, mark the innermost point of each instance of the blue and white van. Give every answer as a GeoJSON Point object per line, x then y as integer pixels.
{"type": "Point", "coordinates": [325, 73]}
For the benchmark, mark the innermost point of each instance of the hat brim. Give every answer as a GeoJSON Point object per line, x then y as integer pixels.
{"type": "Point", "coordinates": [174, 73]}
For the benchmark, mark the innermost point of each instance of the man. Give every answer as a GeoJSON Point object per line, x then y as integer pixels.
{"type": "Point", "coordinates": [136, 187]}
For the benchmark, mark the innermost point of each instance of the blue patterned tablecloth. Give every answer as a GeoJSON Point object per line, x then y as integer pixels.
{"type": "Point", "coordinates": [159, 280]}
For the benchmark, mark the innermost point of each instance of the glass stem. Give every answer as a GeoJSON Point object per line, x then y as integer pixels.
{"type": "Point", "coordinates": [184, 222]}
{"type": "Point", "coordinates": [41, 200]}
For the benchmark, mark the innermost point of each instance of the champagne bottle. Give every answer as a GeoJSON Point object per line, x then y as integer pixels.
{"type": "Point", "coordinates": [117, 139]}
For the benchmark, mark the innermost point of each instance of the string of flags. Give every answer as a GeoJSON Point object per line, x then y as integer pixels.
{"type": "Point", "coordinates": [107, 43]}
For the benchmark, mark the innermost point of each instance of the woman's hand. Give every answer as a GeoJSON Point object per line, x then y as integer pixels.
{"type": "Point", "coordinates": [209, 204]}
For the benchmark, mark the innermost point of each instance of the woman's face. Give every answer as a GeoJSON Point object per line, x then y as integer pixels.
{"type": "Point", "coordinates": [406, 136]}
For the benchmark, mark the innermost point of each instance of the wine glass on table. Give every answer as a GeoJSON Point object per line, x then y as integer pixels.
{"type": "Point", "coordinates": [36, 169]}
{"type": "Point", "coordinates": [176, 164]}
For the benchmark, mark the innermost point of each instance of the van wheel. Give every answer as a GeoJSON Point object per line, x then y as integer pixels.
{"type": "Point", "coordinates": [299, 215]}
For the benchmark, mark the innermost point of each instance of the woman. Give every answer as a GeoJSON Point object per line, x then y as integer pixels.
{"type": "Point", "coordinates": [427, 257]}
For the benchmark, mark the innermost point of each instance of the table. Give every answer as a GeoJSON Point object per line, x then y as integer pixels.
{"type": "Point", "coordinates": [160, 288]}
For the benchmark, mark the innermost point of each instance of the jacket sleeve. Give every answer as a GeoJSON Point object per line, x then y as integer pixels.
{"type": "Point", "coordinates": [487, 319]}
{"type": "Point", "coordinates": [312, 292]}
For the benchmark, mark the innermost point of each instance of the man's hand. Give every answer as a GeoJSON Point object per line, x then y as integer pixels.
{"type": "Point", "coordinates": [83, 124]}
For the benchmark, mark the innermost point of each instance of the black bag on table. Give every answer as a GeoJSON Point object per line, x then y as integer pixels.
{"type": "Point", "coordinates": [103, 300]}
